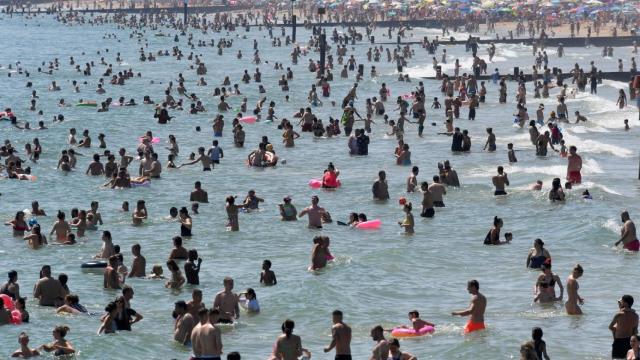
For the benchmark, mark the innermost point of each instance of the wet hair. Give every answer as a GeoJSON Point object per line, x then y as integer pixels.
{"type": "Point", "coordinates": [233, 355]}
{"type": "Point", "coordinates": [394, 342]}
{"type": "Point", "coordinates": [474, 283]}
{"type": "Point", "coordinates": [337, 313]}
{"type": "Point", "coordinates": [172, 266]}
{"type": "Point", "coordinates": [287, 327]}
{"type": "Point", "coordinates": [496, 221]}
{"type": "Point", "coordinates": [72, 298]}
{"type": "Point", "coordinates": [628, 299]}
{"type": "Point", "coordinates": [177, 241]}
{"type": "Point", "coordinates": [181, 304]}
{"type": "Point", "coordinates": [578, 268]}
{"type": "Point", "coordinates": [62, 330]}
{"type": "Point", "coordinates": [539, 241]}
{"type": "Point", "coordinates": [12, 275]}
{"type": "Point", "coordinates": [414, 313]}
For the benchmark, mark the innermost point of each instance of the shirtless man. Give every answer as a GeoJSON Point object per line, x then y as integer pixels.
{"type": "Point", "coordinates": [574, 165]}
{"type": "Point", "coordinates": [381, 349]}
{"type": "Point", "coordinates": [184, 323]}
{"type": "Point", "coordinates": [48, 290]}
{"type": "Point", "coordinates": [572, 292]}
{"type": "Point", "coordinates": [623, 326]}
{"type": "Point", "coordinates": [500, 181]}
{"type": "Point", "coordinates": [154, 169]}
{"type": "Point", "coordinates": [61, 228]}
{"type": "Point", "coordinates": [314, 213]}
{"type": "Point", "coordinates": [226, 301]}
{"type": "Point", "coordinates": [628, 233]}
{"type": "Point", "coordinates": [125, 159]}
{"type": "Point", "coordinates": [140, 213]}
{"type": "Point", "coordinates": [111, 279]}
{"type": "Point", "coordinates": [437, 190]}
{"type": "Point", "coordinates": [541, 144]}
{"type": "Point", "coordinates": [341, 337]}
{"type": "Point", "coordinates": [25, 351]}
{"type": "Point", "coordinates": [380, 188]}
{"type": "Point", "coordinates": [476, 309]}
{"type": "Point", "coordinates": [195, 304]}
{"type": "Point", "coordinates": [205, 337]}
{"type": "Point", "coordinates": [95, 167]}
{"type": "Point", "coordinates": [207, 164]}
{"type": "Point", "coordinates": [139, 263]}
{"type": "Point", "coordinates": [199, 195]}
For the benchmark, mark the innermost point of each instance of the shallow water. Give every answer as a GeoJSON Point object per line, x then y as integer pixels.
{"type": "Point", "coordinates": [378, 275]}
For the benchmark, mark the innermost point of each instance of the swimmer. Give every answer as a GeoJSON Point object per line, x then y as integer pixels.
{"type": "Point", "coordinates": [545, 288]}
{"type": "Point", "coordinates": [60, 346]}
{"type": "Point", "coordinates": [380, 188]}
{"type": "Point", "coordinates": [574, 300]}
{"type": "Point", "coordinates": [396, 354]}
{"type": "Point", "coordinates": [156, 273]}
{"type": "Point", "coordinates": [340, 337]}
{"type": "Point", "coordinates": [416, 323]}
{"type": "Point", "coordinates": [318, 254]}
{"type": "Point", "coordinates": [288, 211]}
{"type": "Point", "coordinates": [314, 213]}
{"type": "Point", "coordinates": [177, 280]}
{"type": "Point", "coordinates": [198, 194]}
{"type": "Point", "coordinates": [226, 301]}
{"type": "Point", "coordinates": [25, 351]}
{"type": "Point", "coordinates": [408, 221]}
{"type": "Point", "coordinates": [574, 165]}
{"type": "Point", "coordinates": [267, 276]}
{"type": "Point", "coordinates": [623, 326]}
{"type": "Point", "coordinates": [476, 309]}
{"type": "Point", "coordinates": [248, 300]}
{"type": "Point", "coordinates": [500, 181]}
{"type": "Point", "coordinates": [140, 213]}
{"type": "Point", "coordinates": [628, 233]}
{"type": "Point", "coordinates": [537, 186]}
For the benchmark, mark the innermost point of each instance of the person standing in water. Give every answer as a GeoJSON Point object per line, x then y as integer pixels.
{"type": "Point", "coordinates": [314, 212]}
{"type": "Point", "coordinates": [574, 166]}
{"type": "Point", "coordinates": [500, 181]}
{"type": "Point", "coordinates": [623, 326]}
{"type": "Point", "coordinates": [574, 300]}
{"type": "Point", "coordinates": [476, 309]}
{"type": "Point", "coordinates": [381, 349]}
{"type": "Point", "coordinates": [340, 337]}
{"type": "Point", "coordinates": [628, 233]}
{"type": "Point", "coordinates": [380, 189]}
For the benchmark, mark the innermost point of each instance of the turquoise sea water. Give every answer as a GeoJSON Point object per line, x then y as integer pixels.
{"type": "Point", "coordinates": [378, 275]}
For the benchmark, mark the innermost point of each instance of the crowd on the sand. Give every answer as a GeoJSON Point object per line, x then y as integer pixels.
{"type": "Point", "coordinates": [198, 327]}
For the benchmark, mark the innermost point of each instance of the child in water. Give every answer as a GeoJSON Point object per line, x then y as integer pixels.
{"type": "Point", "coordinates": [511, 153]}
{"type": "Point", "coordinates": [407, 223]}
{"type": "Point", "coordinates": [416, 322]}
{"type": "Point", "coordinates": [563, 149]}
{"type": "Point", "coordinates": [267, 277]}
{"type": "Point", "coordinates": [249, 301]}
{"type": "Point", "coordinates": [177, 280]}
{"type": "Point", "coordinates": [156, 273]}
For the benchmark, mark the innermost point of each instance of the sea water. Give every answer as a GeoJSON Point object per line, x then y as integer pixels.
{"type": "Point", "coordinates": [378, 276]}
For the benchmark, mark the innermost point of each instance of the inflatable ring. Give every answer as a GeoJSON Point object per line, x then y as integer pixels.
{"type": "Point", "coordinates": [94, 264]}
{"type": "Point", "coordinates": [8, 302]}
{"type": "Point", "coordinates": [371, 224]}
{"type": "Point", "coordinates": [400, 332]}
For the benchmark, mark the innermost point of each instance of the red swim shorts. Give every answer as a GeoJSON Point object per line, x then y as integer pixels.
{"type": "Point", "coordinates": [574, 177]}
{"type": "Point", "coordinates": [473, 326]}
{"type": "Point", "coordinates": [633, 246]}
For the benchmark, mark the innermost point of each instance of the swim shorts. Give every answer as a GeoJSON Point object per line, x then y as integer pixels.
{"type": "Point", "coordinates": [620, 347]}
{"type": "Point", "coordinates": [428, 213]}
{"type": "Point", "coordinates": [204, 358]}
{"type": "Point", "coordinates": [225, 321]}
{"type": "Point", "coordinates": [438, 204]}
{"type": "Point", "coordinates": [499, 192]}
{"type": "Point", "coordinates": [343, 357]}
{"type": "Point", "coordinates": [307, 127]}
{"type": "Point", "coordinates": [473, 326]}
{"type": "Point", "coordinates": [633, 246]}
{"type": "Point", "coordinates": [574, 177]}
{"type": "Point", "coordinates": [217, 134]}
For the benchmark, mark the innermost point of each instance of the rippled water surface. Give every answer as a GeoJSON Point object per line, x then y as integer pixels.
{"type": "Point", "coordinates": [379, 275]}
